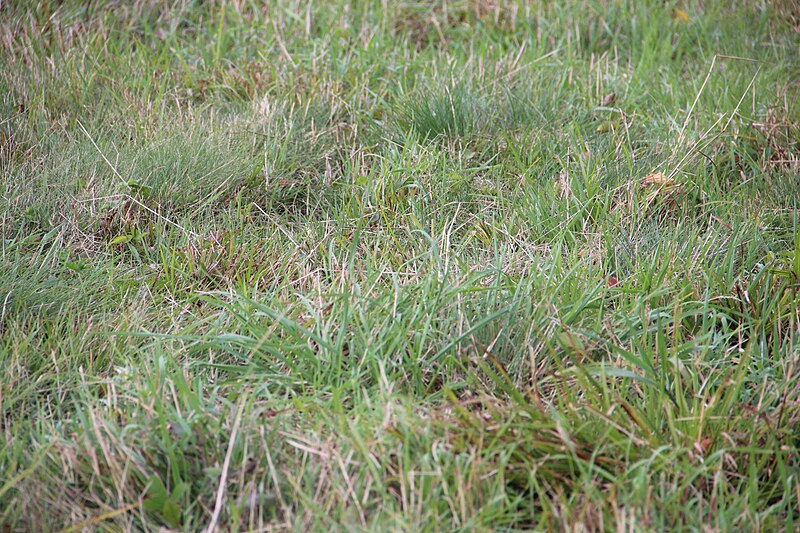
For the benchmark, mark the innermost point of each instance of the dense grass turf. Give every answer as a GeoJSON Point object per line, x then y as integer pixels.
{"type": "Point", "coordinates": [462, 265]}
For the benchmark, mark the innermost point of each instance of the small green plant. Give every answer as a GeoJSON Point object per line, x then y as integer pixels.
{"type": "Point", "coordinates": [166, 505]}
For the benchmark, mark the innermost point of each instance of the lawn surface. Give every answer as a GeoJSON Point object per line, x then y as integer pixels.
{"type": "Point", "coordinates": [398, 266]}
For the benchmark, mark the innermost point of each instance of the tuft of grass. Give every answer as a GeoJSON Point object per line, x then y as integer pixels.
{"type": "Point", "coordinates": [449, 114]}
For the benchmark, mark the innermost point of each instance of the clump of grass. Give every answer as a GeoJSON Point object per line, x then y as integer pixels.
{"type": "Point", "coordinates": [453, 113]}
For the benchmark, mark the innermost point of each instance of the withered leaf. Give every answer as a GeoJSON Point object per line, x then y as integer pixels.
{"type": "Point", "coordinates": [658, 178]}
{"type": "Point", "coordinates": [679, 15]}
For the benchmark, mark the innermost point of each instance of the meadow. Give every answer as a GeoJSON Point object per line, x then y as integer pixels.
{"type": "Point", "coordinates": [452, 265]}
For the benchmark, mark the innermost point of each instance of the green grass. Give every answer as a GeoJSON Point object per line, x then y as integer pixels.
{"type": "Point", "coordinates": [399, 266]}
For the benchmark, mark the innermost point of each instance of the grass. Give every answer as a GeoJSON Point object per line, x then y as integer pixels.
{"type": "Point", "coordinates": [399, 266]}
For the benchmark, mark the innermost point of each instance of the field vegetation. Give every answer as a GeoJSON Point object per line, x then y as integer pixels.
{"type": "Point", "coordinates": [453, 265]}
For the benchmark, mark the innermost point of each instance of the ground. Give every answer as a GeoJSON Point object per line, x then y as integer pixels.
{"type": "Point", "coordinates": [382, 266]}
